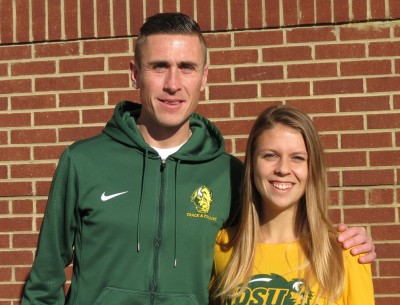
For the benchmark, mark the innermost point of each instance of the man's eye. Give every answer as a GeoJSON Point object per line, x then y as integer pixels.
{"type": "Point", "coordinates": [187, 68]}
{"type": "Point", "coordinates": [159, 66]}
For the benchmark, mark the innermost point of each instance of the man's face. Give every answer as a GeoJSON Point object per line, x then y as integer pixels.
{"type": "Point", "coordinates": [171, 75]}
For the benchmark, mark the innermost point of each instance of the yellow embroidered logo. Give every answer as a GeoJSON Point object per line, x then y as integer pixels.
{"type": "Point", "coordinates": [202, 199]}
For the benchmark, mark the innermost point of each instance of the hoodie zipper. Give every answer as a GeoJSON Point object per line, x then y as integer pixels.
{"type": "Point", "coordinates": [157, 241]}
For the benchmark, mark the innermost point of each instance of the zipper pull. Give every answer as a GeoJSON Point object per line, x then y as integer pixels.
{"type": "Point", "coordinates": [163, 164]}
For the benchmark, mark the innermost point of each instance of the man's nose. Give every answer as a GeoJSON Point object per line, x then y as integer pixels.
{"type": "Point", "coordinates": [172, 82]}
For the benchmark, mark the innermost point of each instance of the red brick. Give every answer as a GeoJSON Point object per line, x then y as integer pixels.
{"type": "Point", "coordinates": [346, 159]}
{"type": "Point", "coordinates": [6, 27]}
{"type": "Point", "coordinates": [256, 20]}
{"type": "Point", "coordinates": [22, 20]}
{"type": "Point", "coordinates": [240, 145]}
{"type": "Point", "coordinates": [218, 40]}
{"type": "Point", "coordinates": [57, 83]}
{"type": "Point", "coordinates": [334, 215]}
{"type": "Point", "coordinates": [4, 70]}
{"type": "Point", "coordinates": [290, 13]}
{"type": "Point", "coordinates": [78, 133]}
{"type": "Point", "coordinates": [329, 141]}
{"type": "Point", "coordinates": [187, 7]}
{"type": "Point", "coordinates": [214, 110]}
{"type": "Point", "coordinates": [219, 75]}
{"type": "Point", "coordinates": [22, 207]}
{"type": "Point", "coordinates": [15, 52]}
{"type": "Point", "coordinates": [116, 80]}
{"type": "Point", "coordinates": [3, 103]}
{"type": "Point", "coordinates": [103, 13]}
{"type": "Point", "coordinates": [87, 18]}
{"type": "Point", "coordinates": [96, 115]}
{"type": "Point", "coordinates": [29, 136]}
{"type": "Point", "coordinates": [319, 105]}
{"type": "Point", "coordinates": [114, 97]}
{"type": "Point", "coordinates": [397, 66]}
{"type": "Point", "coordinates": [233, 91]}
{"type": "Point", "coordinates": [367, 140]}
{"type": "Point", "coordinates": [383, 121]}
{"type": "Point", "coordinates": [120, 24]}
{"type": "Point", "coordinates": [368, 177]}
{"type": "Point", "coordinates": [312, 70]}
{"type": "Point", "coordinates": [334, 123]}
{"type": "Point", "coordinates": [286, 53]}
{"type": "Point", "coordinates": [238, 18]}
{"type": "Point", "coordinates": [247, 109]}
{"type": "Point", "coordinates": [334, 199]}
{"type": "Point", "coordinates": [39, 20]}
{"type": "Point", "coordinates": [384, 158]}
{"type": "Point", "coordinates": [380, 49]}
{"type": "Point", "coordinates": [341, 11]}
{"type": "Point", "coordinates": [15, 86]}
{"type": "Point", "coordinates": [25, 240]}
{"type": "Point", "coordinates": [71, 19]}
{"type": "Point", "coordinates": [287, 89]}
{"type": "Point", "coordinates": [258, 38]}
{"type": "Point", "coordinates": [48, 152]}
{"type": "Point", "coordinates": [33, 102]}
{"type": "Point", "coordinates": [388, 250]}
{"type": "Point", "coordinates": [119, 63]}
{"type": "Point", "coordinates": [367, 67]}
{"type": "Point", "coordinates": [4, 209]}
{"type": "Point", "coordinates": [272, 15]}
{"type": "Point", "coordinates": [32, 170]}
{"type": "Point", "coordinates": [10, 291]}
{"type": "Point", "coordinates": [15, 119]}
{"type": "Point", "coordinates": [307, 12]}
{"type": "Point", "coordinates": [397, 134]}
{"type": "Point", "coordinates": [153, 7]}
{"type": "Point", "coordinates": [81, 99]}
{"type": "Point", "coordinates": [333, 178]}
{"type": "Point", "coordinates": [257, 73]}
{"type": "Point", "coordinates": [136, 13]}
{"type": "Point", "coordinates": [364, 215]}
{"type": "Point", "coordinates": [81, 65]}
{"type": "Point", "coordinates": [381, 196]}
{"type": "Point", "coordinates": [204, 14]}
{"type": "Point", "coordinates": [394, 9]}
{"type": "Point", "coordinates": [5, 241]}
{"type": "Point", "coordinates": [377, 9]}
{"type": "Point", "coordinates": [15, 224]}
{"type": "Point", "coordinates": [57, 49]}
{"type": "Point", "coordinates": [33, 68]}
{"type": "Point", "coordinates": [386, 286]}
{"type": "Point", "coordinates": [310, 35]}
{"type": "Point", "coordinates": [359, 10]}
{"type": "Point", "coordinates": [221, 23]}
{"type": "Point", "coordinates": [385, 232]}
{"type": "Point", "coordinates": [5, 274]}
{"type": "Point", "coordinates": [323, 11]}
{"type": "Point", "coordinates": [14, 153]}
{"type": "Point", "coordinates": [233, 57]}
{"type": "Point", "coordinates": [109, 46]}
{"type": "Point", "coordinates": [390, 268]}
{"type": "Point", "coordinates": [354, 197]}
{"type": "Point", "coordinates": [383, 84]}
{"type": "Point", "coordinates": [234, 128]}
{"type": "Point", "coordinates": [3, 172]}
{"type": "Point", "coordinates": [3, 137]}
{"type": "Point", "coordinates": [42, 188]}
{"type": "Point", "coordinates": [56, 118]}
{"type": "Point", "coordinates": [364, 103]}
{"type": "Point", "coordinates": [338, 86]}
{"type": "Point", "coordinates": [21, 273]}
{"type": "Point", "coordinates": [364, 32]}
{"type": "Point", "coordinates": [335, 51]}
{"type": "Point", "coordinates": [54, 19]}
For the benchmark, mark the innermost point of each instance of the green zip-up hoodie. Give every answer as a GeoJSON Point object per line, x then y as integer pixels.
{"type": "Point", "coordinates": [138, 231]}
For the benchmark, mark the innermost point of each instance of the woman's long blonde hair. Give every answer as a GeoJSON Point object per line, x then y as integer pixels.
{"type": "Point", "coordinates": [312, 225]}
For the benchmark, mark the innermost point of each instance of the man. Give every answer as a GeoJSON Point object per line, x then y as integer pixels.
{"type": "Point", "coordinates": [120, 205]}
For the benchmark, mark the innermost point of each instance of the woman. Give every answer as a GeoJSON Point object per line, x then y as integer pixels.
{"type": "Point", "coordinates": [284, 249]}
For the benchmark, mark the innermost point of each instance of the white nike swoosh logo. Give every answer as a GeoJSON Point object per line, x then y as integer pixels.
{"type": "Point", "coordinates": [104, 197]}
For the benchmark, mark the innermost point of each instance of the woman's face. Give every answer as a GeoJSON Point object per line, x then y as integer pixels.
{"type": "Point", "coordinates": [280, 168]}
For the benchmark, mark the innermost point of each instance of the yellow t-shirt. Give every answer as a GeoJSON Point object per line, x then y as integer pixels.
{"type": "Point", "coordinates": [277, 279]}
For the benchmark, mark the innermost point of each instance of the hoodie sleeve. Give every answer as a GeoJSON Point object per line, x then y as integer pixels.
{"type": "Point", "coordinates": [56, 239]}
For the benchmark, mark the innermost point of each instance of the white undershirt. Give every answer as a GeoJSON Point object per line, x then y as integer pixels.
{"type": "Point", "coordinates": [166, 152]}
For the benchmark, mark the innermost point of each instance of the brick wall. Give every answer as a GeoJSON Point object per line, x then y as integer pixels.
{"type": "Point", "coordinates": [63, 70]}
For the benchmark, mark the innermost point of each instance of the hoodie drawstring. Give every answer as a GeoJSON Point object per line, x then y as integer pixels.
{"type": "Point", "coordinates": [141, 199]}
{"type": "Point", "coordinates": [176, 218]}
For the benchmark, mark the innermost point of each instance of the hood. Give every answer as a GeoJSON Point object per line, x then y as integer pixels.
{"type": "Point", "coordinates": [205, 143]}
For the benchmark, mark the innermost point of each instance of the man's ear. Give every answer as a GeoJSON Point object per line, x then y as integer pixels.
{"type": "Point", "coordinates": [204, 80]}
{"type": "Point", "coordinates": [134, 74]}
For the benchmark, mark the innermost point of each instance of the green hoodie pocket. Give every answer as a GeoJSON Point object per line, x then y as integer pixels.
{"type": "Point", "coordinates": [117, 296]}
